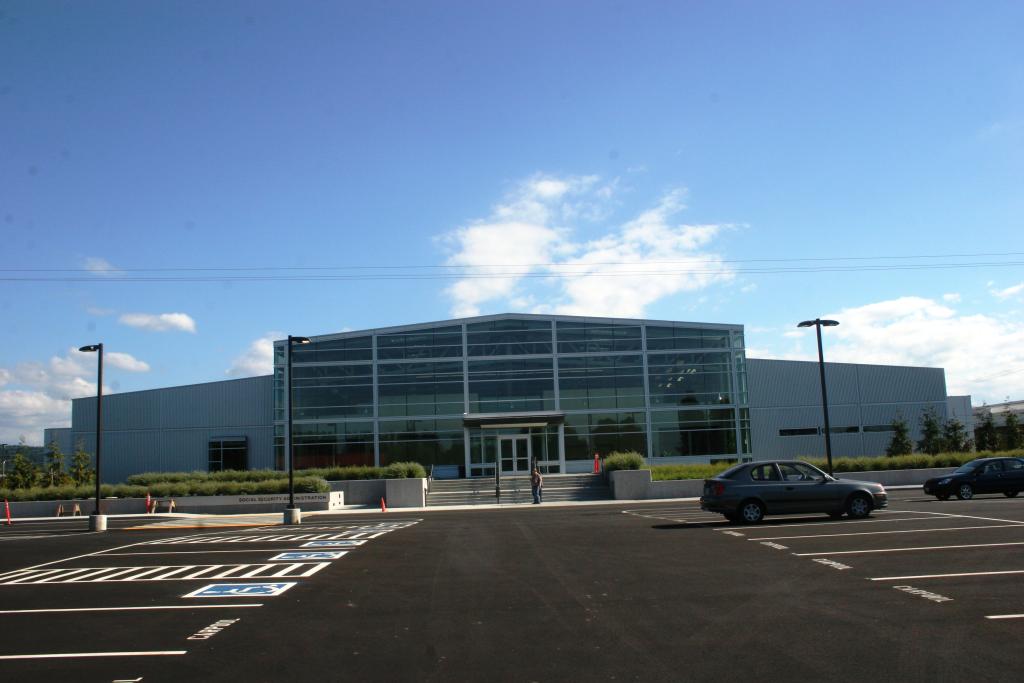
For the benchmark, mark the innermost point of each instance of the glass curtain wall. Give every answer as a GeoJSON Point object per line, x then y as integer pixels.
{"type": "Point", "coordinates": [666, 391]}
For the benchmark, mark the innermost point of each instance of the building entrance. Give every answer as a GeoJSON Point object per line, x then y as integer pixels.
{"type": "Point", "coordinates": [515, 453]}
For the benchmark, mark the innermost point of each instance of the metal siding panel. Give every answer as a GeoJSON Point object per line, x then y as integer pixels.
{"type": "Point", "coordinates": [895, 384]}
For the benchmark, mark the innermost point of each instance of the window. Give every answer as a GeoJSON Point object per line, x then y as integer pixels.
{"type": "Point", "coordinates": [600, 382]}
{"type": "Point", "coordinates": [327, 444]}
{"type": "Point", "coordinates": [576, 337]}
{"type": "Point", "coordinates": [795, 471]}
{"type": "Point", "coordinates": [690, 378]}
{"type": "Point", "coordinates": [425, 388]}
{"type": "Point", "coordinates": [335, 350]}
{"type": "Point", "coordinates": [513, 385]}
{"type": "Point", "coordinates": [801, 431]}
{"type": "Point", "coordinates": [693, 432]}
{"type": "Point", "coordinates": [228, 453]}
{"type": "Point", "coordinates": [509, 338]}
{"type": "Point", "coordinates": [604, 433]}
{"type": "Point", "coordinates": [992, 467]}
{"type": "Point", "coordinates": [441, 342]}
{"type": "Point", "coordinates": [673, 338]}
{"type": "Point", "coordinates": [1013, 465]}
{"type": "Point", "coordinates": [878, 428]}
{"type": "Point", "coordinates": [764, 473]}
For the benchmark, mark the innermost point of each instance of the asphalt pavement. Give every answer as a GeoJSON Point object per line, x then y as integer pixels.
{"type": "Point", "coordinates": [631, 591]}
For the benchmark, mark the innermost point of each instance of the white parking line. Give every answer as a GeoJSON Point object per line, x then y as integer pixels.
{"type": "Point", "coordinates": [70, 655]}
{"type": "Point", "coordinates": [879, 533]}
{"type": "Point", "coordinates": [1005, 616]}
{"type": "Point", "coordinates": [947, 576]}
{"type": "Point", "coordinates": [950, 514]}
{"type": "Point", "coordinates": [120, 609]}
{"type": "Point", "coordinates": [903, 550]}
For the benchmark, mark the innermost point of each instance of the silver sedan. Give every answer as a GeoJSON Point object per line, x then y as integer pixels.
{"type": "Point", "coordinates": [746, 493]}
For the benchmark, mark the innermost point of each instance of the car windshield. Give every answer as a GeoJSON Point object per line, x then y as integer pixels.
{"type": "Point", "coordinates": [966, 467]}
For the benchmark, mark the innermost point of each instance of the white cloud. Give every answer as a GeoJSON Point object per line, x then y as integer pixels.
{"type": "Point", "coordinates": [125, 361]}
{"type": "Point", "coordinates": [1007, 292]}
{"type": "Point", "coordinates": [37, 395]}
{"type": "Point", "coordinates": [525, 251]}
{"type": "Point", "coordinates": [952, 298]}
{"type": "Point", "coordinates": [983, 356]}
{"type": "Point", "coordinates": [99, 266]}
{"type": "Point", "coordinates": [159, 322]}
{"type": "Point", "coordinates": [258, 359]}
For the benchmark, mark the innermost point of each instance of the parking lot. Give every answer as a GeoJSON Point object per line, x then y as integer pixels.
{"type": "Point", "coordinates": [635, 591]}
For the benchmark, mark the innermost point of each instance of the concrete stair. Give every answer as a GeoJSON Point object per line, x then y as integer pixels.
{"type": "Point", "coordinates": [516, 490]}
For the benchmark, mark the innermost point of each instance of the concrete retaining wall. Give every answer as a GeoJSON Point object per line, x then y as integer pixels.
{"type": "Point", "coordinates": [222, 505]}
{"type": "Point", "coordinates": [399, 493]}
{"type": "Point", "coordinates": [637, 484]}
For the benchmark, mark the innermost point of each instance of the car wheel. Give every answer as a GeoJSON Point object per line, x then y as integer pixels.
{"type": "Point", "coordinates": [751, 512]}
{"type": "Point", "coordinates": [859, 506]}
{"type": "Point", "coordinates": [942, 496]}
{"type": "Point", "coordinates": [1010, 494]}
{"type": "Point", "coordinates": [965, 492]}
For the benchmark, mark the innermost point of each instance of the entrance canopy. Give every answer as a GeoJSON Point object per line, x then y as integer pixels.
{"type": "Point", "coordinates": [512, 420]}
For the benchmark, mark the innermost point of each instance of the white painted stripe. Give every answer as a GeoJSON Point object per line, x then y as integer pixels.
{"type": "Point", "coordinates": [97, 571]}
{"type": "Point", "coordinates": [30, 575]}
{"type": "Point", "coordinates": [63, 574]}
{"type": "Point", "coordinates": [903, 550]}
{"type": "Point", "coordinates": [287, 568]}
{"type": "Point", "coordinates": [879, 533]}
{"type": "Point", "coordinates": [947, 576]}
{"type": "Point", "coordinates": [847, 522]}
{"type": "Point", "coordinates": [201, 571]}
{"type": "Point", "coordinates": [71, 655]}
{"type": "Point", "coordinates": [231, 570]}
{"type": "Point", "coordinates": [950, 514]}
{"type": "Point", "coordinates": [120, 609]}
{"type": "Point", "coordinates": [1005, 616]}
{"type": "Point", "coordinates": [175, 570]}
{"type": "Point", "coordinates": [251, 551]}
{"type": "Point", "coordinates": [110, 576]}
{"type": "Point", "coordinates": [151, 570]}
{"type": "Point", "coordinates": [314, 569]}
{"type": "Point", "coordinates": [259, 568]}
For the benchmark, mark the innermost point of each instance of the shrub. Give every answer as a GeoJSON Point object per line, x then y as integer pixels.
{"type": "Point", "coordinates": [629, 460]}
{"type": "Point", "coordinates": [696, 471]}
{"type": "Point", "coordinates": [404, 470]}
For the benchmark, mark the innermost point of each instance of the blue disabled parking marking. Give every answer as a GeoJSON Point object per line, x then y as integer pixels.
{"type": "Point", "coordinates": [240, 590]}
{"type": "Point", "coordinates": [332, 544]}
{"type": "Point", "coordinates": [311, 555]}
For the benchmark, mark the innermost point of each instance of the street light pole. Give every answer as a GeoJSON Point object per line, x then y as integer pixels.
{"type": "Point", "coordinates": [818, 323]}
{"type": "Point", "coordinates": [97, 522]}
{"type": "Point", "coordinates": [292, 515]}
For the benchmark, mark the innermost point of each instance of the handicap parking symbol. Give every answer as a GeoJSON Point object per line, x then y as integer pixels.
{"type": "Point", "coordinates": [332, 544]}
{"type": "Point", "coordinates": [240, 590]}
{"type": "Point", "coordinates": [311, 555]}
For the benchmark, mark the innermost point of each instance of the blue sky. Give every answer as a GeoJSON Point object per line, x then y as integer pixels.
{"type": "Point", "coordinates": [649, 159]}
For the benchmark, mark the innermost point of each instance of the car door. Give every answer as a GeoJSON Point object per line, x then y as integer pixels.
{"type": "Point", "coordinates": [990, 478]}
{"type": "Point", "coordinates": [767, 485]}
{"type": "Point", "coordinates": [802, 488]}
{"type": "Point", "coordinates": [1013, 475]}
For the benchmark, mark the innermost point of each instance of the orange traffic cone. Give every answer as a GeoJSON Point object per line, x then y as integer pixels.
{"type": "Point", "coordinates": [148, 502]}
{"type": "Point", "coordinates": [383, 505]}
{"type": "Point", "coordinates": [597, 464]}
{"type": "Point", "coordinates": [7, 509]}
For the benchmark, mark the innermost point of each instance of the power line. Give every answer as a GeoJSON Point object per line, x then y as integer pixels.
{"type": "Point", "coordinates": [113, 270]}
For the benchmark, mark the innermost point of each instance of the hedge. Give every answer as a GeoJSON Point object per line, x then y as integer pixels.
{"type": "Point", "coordinates": [628, 460]}
{"type": "Point", "coordinates": [170, 489]}
{"type": "Point", "coordinates": [915, 461]}
{"type": "Point", "coordinates": [396, 470]}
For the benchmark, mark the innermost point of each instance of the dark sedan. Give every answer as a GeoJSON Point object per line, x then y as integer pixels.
{"type": "Point", "coordinates": [746, 493]}
{"type": "Point", "coordinates": [984, 475]}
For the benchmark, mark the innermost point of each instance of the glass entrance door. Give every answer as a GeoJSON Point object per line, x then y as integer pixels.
{"type": "Point", "coordinates": [515, 454]}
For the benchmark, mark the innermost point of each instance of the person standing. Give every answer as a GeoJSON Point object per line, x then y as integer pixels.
{"type": "Point", "coordinates": [537, 484]}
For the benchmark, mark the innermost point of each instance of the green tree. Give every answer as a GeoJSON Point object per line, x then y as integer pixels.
{"type": "Point", "coordinates": [900, 444]}
{"type": "Point", "coordinates": [24, 474]}
{"type": "Point", "coordinates": [55, 474]}
{"type": "Point", "coordinates": [985, 435]}
{"type": "Point", "coordinates": [1011, 431]}
{"type": "Point", "coordinates": [81, 470]}
{"type": "Point", "coordinates": [954, 437]}
{"type": "Point", "coordinates": [931, 433]}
